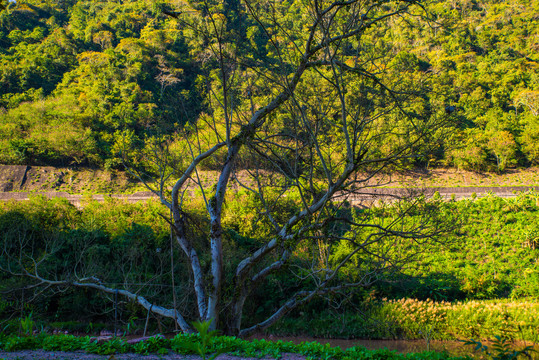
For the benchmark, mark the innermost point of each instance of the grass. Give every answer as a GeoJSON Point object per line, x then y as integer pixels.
{"type": "Point", "coordinates": [463, 319]}
{"type": "Point", "coordinates": [427, 320]}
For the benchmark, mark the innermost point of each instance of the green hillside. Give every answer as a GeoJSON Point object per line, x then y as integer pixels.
{"type": "Point", "coordinates": [81, 80]}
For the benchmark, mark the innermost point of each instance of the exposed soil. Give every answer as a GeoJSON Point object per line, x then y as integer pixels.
{"type": "Point", "coordinates": [451, 177]}
{"type": "Point", "coordinates": [12, 177]}
{"type": "Point", "coordinates": [80, 185]}
{"type": "Point", "coordinates": [21, 178]}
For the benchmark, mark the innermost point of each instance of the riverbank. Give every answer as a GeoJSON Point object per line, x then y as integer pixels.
{"type": "Point", "coordinates": [183, 346]}
{"type": "Point", "coordinates": [266, 347]}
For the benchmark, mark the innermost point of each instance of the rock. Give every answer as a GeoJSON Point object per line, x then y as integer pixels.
{"type": "Point", "coordinates": [100, 339]}
{"type": "Point", "coordinates": [137, 340]}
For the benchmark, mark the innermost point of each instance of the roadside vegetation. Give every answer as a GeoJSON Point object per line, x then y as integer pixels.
{"type": "Point", "coordinates": [484, 282]}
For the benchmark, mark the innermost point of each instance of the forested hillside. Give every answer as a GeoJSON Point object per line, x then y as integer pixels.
{"type": "Point", "coordinates": [80, 80]}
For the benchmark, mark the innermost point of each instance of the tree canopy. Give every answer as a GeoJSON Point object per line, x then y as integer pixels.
{"type": "Point", "coordinates": [106, 72]}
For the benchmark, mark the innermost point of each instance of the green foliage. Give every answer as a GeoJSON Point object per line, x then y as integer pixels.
{"type": "Point", "coordinates": [206, 337]}
{"type": "Point", "coordinates": [183, 344]}
{"type": "Point", "coordinates": [87, 69]}
{"type": "Point", "coordinates": [114, 238]}
{"type": "Point", "coordinates": [492, 255]}
{"type": "Point", "coordinates": [330, 324]}
{"type": "Point", "coordinates": [62, 342]}
{"type": "Point", "coordinates": [13, 343]}
{"type": "Point", "coordinates": [113, 346]}
{"type": "Point", "coordinates": [98, 69]}
{"type": "Point", "coordinates": [155, 344]}
{"type": "Point", "coordinates": [485, 319]}
{"type": "Point", "coordinates": [421, 320]}
{"type": "Point", "coordinates": [27, 325]}
{"type": "Point", "coordinates": [501, 349]}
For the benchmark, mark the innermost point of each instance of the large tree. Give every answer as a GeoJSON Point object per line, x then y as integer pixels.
{"type": "Point", "coordinates": [307, 106]}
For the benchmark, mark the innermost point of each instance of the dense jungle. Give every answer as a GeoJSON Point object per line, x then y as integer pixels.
{"type": "Point", "coordinates": [78, 78]}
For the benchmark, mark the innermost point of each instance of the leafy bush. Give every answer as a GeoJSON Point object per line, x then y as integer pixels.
{"type": "Point", "coordinates": [155, 344]}
{"type": "Point", "coordinates": [63, 343]}
{"type": "Point", "coordinates": [501, 349]}
{"type": "Point", "coordinates": [491, 255]}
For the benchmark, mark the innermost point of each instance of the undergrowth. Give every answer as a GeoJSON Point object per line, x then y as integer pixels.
{"type": "Point", "coordinates": [186, 344]}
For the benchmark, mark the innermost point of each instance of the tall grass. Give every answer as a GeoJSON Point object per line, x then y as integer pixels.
{"type": "Point", "coordinates": [483, 319]}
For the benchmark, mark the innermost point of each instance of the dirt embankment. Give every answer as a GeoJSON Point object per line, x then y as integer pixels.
{"type": "Point", "coordinates": [22, 178]}
{"type": "Point", "coordinates": [19, 182]}
{"type": "Point", "coordinates": [12, 177]}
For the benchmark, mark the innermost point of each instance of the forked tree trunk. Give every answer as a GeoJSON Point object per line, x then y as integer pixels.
{"type": "Point", "coordinates": [318, 53]}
